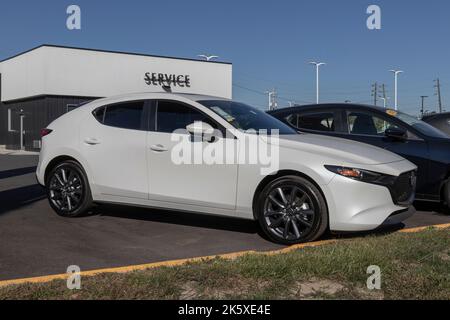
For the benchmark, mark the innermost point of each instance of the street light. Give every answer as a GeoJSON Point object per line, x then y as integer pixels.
{"type": "Point", "coordinates": [272, 99]}
{"type": "Point", "coordinates": [317, 64]}
{"type": "Point", "coordinates": [396, 73]}
{"type": "Point", "coordinates": [208, 57]}
{"type": "Point", "coordinates": [384, 101]}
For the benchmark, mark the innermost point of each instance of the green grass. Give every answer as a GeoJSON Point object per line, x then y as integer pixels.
{"type": "Point", "coordinates": [414, 266]}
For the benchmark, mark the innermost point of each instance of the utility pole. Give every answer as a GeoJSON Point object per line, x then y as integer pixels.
{"type": "Point", "coordinates": [375, 93]}
{"type": "Point", "coordinates": [423, 105]}
{"type": "Point", "coordinates": [383, 91]}
{"type": "Point", "coordinates": [272, 99]}
{"type": "Point", "coordinates": [438, 93]}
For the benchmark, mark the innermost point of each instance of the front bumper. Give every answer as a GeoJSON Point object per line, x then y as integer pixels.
{"type": "Point", "coordinates": [399, 216]}
{"type": "Point", "coordinates": [358, 206]}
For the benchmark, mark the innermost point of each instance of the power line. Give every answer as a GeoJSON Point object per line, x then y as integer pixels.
{"type": "Point", "coordinates": [293, 85]}
{"type": "Point", "coordinates": [277, 82]}
{"type": "Point", "coordinates": [287, 99]}
{"type": "Point", "coordinates": [357, 98]}
{"type": "Point", "coordinates": [249, 89]}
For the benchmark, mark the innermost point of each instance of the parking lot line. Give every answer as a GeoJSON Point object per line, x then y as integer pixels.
{"type": "Point", "coordinates": [179, 262]}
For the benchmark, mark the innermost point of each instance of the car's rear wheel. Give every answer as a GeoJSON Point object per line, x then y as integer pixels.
{"type": "Point", "coordinates": [292, 210]}
{"type": "Point", "coordinates": [68, 190]}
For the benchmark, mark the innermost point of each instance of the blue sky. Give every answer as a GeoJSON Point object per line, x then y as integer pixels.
{"type": "Point", "coordinates": [268, 42]}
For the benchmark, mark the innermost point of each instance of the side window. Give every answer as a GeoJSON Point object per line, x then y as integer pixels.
{"type": "Point", "coordinates": [367, 124]}
{"type": "Point", "coordinates": [99, 114]}
{"type": "Point", "coordinates": [172, 116]}
{"type": "Point", "coordinates": [126, 115]}
{"type": "Point", "coordinates": [318, 121]}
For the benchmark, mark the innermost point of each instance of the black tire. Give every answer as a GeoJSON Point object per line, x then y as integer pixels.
{"type": "Point", "coordinates": [68, 190]}
{"type": "Point", "coordinates": [304, 216]}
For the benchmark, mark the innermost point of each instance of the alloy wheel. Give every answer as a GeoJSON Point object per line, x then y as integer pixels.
{"type": "Point", "coordinates": [289, 212]}
{"type": "Point", "coordinates": [66, 189]}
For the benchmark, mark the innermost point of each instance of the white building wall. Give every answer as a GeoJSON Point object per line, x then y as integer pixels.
{"type": "Point", "coordinates": [76, 72]}
{"type": "Point", "coordinates": [22, 76]}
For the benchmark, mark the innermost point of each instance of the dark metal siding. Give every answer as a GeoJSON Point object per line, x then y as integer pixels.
{"type": "Point", "coordinates": [3, 120]}
{"type": "Point", "coordinates": [39, 112]}
{"type": "Point", "coordinates": [3, 124]}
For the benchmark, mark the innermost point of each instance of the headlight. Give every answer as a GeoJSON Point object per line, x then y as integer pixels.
{"type": "Point", "coordinates": [363, 175]}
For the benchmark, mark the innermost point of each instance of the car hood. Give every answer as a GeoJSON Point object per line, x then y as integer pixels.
{"type": "Point", "coordinates": [343, 150]}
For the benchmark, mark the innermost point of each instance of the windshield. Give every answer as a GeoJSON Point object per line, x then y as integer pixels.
{"type": "Point", "coordinates": [244, 117]}
{"type": "Point", "coordinates": [419, 125]}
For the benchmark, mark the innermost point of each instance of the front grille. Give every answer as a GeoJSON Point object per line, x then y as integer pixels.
{"type": "Point", "coordinates": [404, 188]}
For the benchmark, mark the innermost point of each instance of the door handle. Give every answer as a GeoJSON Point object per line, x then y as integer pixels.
{"type": "Point", "coordinates": [158, 148]}
{"type": "Point", "coordinates": [92, 141]}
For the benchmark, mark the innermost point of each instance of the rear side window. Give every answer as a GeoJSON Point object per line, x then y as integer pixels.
{"type": "Point", "coordinates": [128, 115]}
{"type": "Point", "coordinates": [99, 114]}
{"type": "Point", "coordinates": [173, 116]}
{"type": "Point", "coordinates": [317, 121]}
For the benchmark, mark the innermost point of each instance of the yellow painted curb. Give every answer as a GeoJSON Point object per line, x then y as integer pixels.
{"type": "Point", "coordinates": [419, 229]}
{"type": "Point", "coordinates": [179, 262]}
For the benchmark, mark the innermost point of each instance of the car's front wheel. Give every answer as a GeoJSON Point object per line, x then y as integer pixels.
{"type": "Point", "coordinates": [292, 210]}
{"type": "Point", "coordinates": [68, 190]}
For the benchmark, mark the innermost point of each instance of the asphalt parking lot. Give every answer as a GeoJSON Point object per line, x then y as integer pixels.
{"type": "Point", "coordinates": [34, 241]}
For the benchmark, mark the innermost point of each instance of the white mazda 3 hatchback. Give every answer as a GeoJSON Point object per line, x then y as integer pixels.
{"type": "Point", "coordinates": [215, 156]}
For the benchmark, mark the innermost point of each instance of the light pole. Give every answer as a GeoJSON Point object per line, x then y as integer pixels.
{"type": "Point", "coordinates": [396, 73]}
{"type": "Point", "coordinates": [384, 101]}
{"type": "Point", "coordinates": [208, 57]}
{"type": "Point", "coordinates": [317, 64]}
{"type": "Point", "coordinates": [272, 99]}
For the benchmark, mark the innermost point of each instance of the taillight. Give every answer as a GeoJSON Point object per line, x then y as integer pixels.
{"type": "Point", "coordinates": [45, 132]}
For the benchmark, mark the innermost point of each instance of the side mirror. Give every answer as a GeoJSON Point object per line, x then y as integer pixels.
{"type": "Point", "coordinates": [396, 133]}
{"type": "Point", "coordinates": [202, 130]}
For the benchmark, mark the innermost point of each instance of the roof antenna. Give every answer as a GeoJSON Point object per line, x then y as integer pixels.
{"type": "Point", "coordinates": [167, 88]}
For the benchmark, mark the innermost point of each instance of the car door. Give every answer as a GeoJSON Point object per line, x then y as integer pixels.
{"type": "Point", "coordinates": [188, 183]}
{"type": "Point", "coordinates": [441, 122]}
{"type": "Point", "coordinates": [113, 141]}
{"type": "Point", "coordinates": [323, 121]}
{"type": "Point", "coordinates": [369, 127]}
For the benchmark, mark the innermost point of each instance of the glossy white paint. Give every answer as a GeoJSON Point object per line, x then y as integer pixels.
{"type": "Point", "coordinates": [105, 148]}
{"type": "Point", "coordinates": [135, 168]}
{"type": "Point", "coordinates": [189, 183]}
